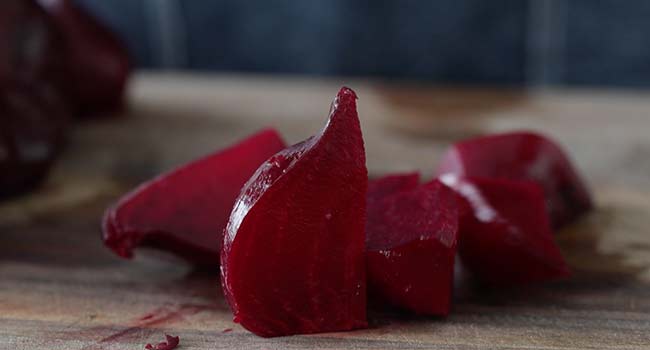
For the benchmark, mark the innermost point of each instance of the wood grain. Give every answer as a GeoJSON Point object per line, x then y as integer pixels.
{"type": "Point", "coordinates": [60, 289]}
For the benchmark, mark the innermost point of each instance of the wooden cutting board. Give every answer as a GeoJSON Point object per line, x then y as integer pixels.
{"type": "Point", "coordinates": [60, 289]}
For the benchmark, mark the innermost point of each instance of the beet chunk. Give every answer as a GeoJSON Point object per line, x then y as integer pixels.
{"type": "Point", "coordinates": [523, 156]}
{"type": "Point", "coordinates": [505, 235]}
{"type": "Point", "coordinates": [411, 244]}
{"type": "Point", "coordinates": [293, 254]}
{"type": "Point", "coordinates": [97, 62]}
{"type": "Point", "coordinates": [33, 112]}
{"type": "Point", "coordinates": [185, 210]}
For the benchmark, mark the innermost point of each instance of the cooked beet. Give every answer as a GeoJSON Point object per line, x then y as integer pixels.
{"type": "Point", "coordinates": [411, 243]}
{"type": "Point", "coordinates": [293, 254]}
{"type": "Point", "coordinates": [505, 235]}
{"type": "Point", "coordinates": [185, 210]}
{"type": "Point", "coordinates": [523, 156]}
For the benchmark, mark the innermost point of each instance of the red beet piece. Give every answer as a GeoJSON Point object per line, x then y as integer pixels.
{"type": "Point", "coordinates": [293, 253]}
{"type": "Point", "coordinates": [505, 234]}
{"type": "Point", "coordinates": [411, 245]}
{"type": "Point", "coordinates": [185, 211]}
{"type": "Point", "coordinates": [33, 115]}
{"type": "Point", "coordinates": [97, 62]}
{"type": "Point", "coordinates": [378, 191]}
{"type": "Point", "coordinates": [523, 156]}
{"type": "Point", "coordinates": [170, 344]}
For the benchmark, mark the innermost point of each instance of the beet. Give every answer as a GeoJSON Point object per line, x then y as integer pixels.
{"type": "Point", "coordinates": [185, 210]}
{"type": "Point", "coordinates": [411, 244]}
{"type": "Point", "coordinates": [55, 60]}
{"type": "Point", "coordinates": [505, 235]}
{"type": "Point", "coordinates": [293, 254]}
{"type": "Point", "coordinates": [33, 112]}
{"type": "Point", "coordinates": [97, 62]}
{"type": "Point", "coordinates": [523, 156]}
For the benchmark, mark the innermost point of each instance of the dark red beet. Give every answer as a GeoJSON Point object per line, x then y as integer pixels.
{"type": "Point", "coordinates": [185, 211]}
{"type": "Point", "coordinates": [411, 245]}
{"type": "Point", "coordinates": [293, 253]}
{"type": "Point", "coordinates": [523, 156]}
{"type": "Point", "coordinates": [33, 115]}
{"type": "Point", "coordinates": [98, 64]}
{"type": "Point", "coordinates": [505, 234]}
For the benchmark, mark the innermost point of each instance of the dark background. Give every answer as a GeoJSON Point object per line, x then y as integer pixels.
{"type": "Point", "coordinates": [510, 42]}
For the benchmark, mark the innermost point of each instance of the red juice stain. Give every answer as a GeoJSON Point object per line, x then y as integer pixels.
{"type": "Point", "coordinates": [142, 326]}
{"type": "Point", "coordinates": [170, 343]}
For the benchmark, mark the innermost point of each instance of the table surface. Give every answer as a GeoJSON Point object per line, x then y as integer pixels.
{"type": "Point", "coordinates": [60, 289]}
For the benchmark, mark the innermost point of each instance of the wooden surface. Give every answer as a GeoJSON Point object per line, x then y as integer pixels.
{"type": "Point", "coordinates": [60, 289]}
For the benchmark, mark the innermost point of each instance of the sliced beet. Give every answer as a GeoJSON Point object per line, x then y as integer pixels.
{"type": "Point", "coordinates": [97, 62]}
{"type": "Point", "coordinates": [185, 210]}
{"type": "Point", "coordinates": [505, 235]}
{"type": "Point", "coordinates": [33, 112]}
{"type": "Point", "coordinates": [293, 255]}
{"type": "Point", "coordinates": [523, 156]}
{"type": "Point", "coordinates": [411, 245]}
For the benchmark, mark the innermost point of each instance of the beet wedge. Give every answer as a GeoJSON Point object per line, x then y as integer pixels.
{"type": "Point", "coordinates": [186, 210]}
{"type": "Point", "coordinates": [411, 245]}
{"type": "Point", "coordinates": [523, 156]}
{"type": "Point", "coordinates": [505, 235]}
{"type": "Point", "coordinates": [293, 254]}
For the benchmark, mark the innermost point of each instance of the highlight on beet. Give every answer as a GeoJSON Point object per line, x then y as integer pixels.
{"type": "Point", "coordinates": [524, 156]}
{"type": "Point", "coordinates": [293, 254]}
{"type": "Point", "coordinates": [185, 210]}
{"type": "Point", "coordinates": [505, 235]}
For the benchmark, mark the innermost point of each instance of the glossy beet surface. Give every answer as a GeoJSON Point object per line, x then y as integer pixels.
{"type": "Point", "coordinates": [523, 156]}
{"type": "Point", "coordinates": [33, 114]}
{"type": "Point", "coordinates": [293, 254]}
{"type": "Point", "coordinates": [186, 210]}
{"type": "Point", "coordinates": [97, 62]}
{"type": "Point", "coordinates": [505, 235]}
{"type": "Point", "coordinates": [411, 245]}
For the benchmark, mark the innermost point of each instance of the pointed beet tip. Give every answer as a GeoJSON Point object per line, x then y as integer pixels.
{"type": "Point", "coordinates": [347, 92]}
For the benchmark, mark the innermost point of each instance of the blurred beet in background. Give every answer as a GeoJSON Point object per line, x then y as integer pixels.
{"type": "Point", "coordinates": [57, 62]}
{"type": "Point", "coordinates": [62, 60]}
